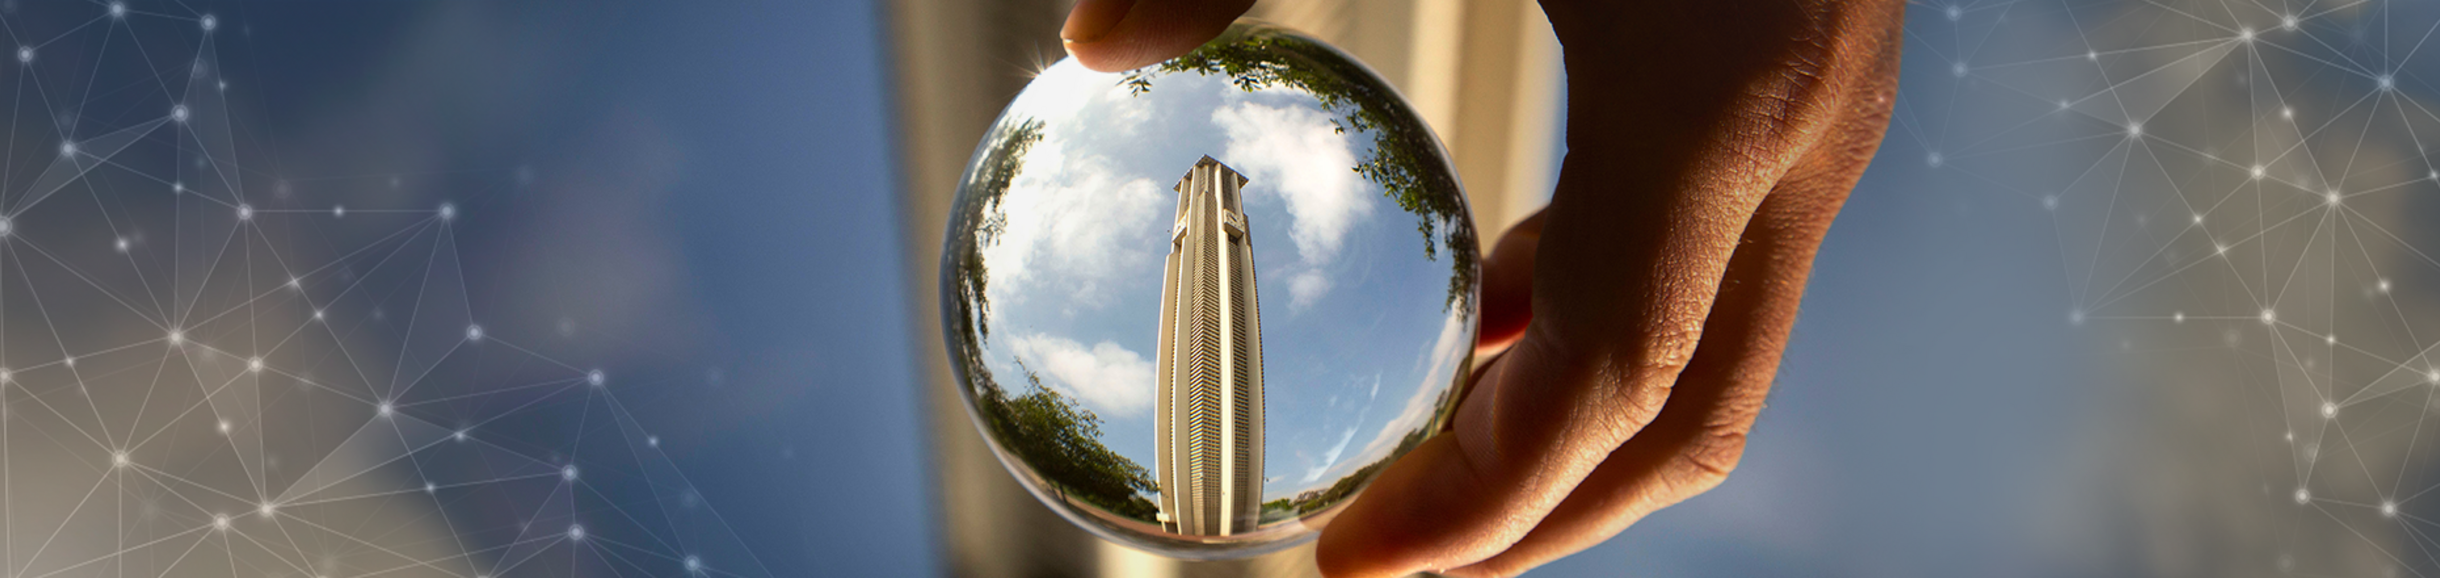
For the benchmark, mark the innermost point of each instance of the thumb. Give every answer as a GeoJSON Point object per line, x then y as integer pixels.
{"type": "Point", "coordinates": [1115, 35]}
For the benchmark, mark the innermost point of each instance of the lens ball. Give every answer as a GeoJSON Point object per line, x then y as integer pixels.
{"type": "Point", "coordinates": [1196, 307]}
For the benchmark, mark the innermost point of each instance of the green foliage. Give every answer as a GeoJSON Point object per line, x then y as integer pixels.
{"type": "Point", "coordinates": [1405, 160]}
{"type": "Point", "coordinates": [980, 222]}
{"type": "Point", "coordinates": [1062, 442]}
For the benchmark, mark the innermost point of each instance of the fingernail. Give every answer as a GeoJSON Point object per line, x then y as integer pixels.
{"type": "Point", "coordinates": [1093, 19]}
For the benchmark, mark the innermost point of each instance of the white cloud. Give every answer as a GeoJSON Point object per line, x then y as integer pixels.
{"type": "Point", "coordinates": [1107, 377]}
{"type": "Point", "coordinates": [1306, 286]}
{"type": "Point", "coordinates": [1066, 219]}
{"type": "Point", "coordinates": [1297, 153]}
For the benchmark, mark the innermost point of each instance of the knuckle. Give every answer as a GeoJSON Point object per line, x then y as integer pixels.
{"type": "Point", "coordinates": [1713, 456]}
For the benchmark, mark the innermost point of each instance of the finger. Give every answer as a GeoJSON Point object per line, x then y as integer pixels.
{"type": "Point", "coordinates": [1635, 245]}
{"type": "Point", "coordinates": [1701, 431]}
{"type": "Point", "coordinates": [1523, 437]}
{"type": "Point", "coordinates": [1508, 288]}
{"type": "Point", "coordinates": [1115, 35]}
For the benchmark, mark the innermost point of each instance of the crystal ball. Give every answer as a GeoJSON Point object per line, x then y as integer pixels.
{"type": "Point", "coordinates": [1196, 307]}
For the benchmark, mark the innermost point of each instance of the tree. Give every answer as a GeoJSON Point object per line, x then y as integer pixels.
{"type": "Point", "coordinates": [1061, 441]}
{"type": "Point", "coordinates": [1405, 160]}
{"type": "Point", "coordinates": [977, 222]}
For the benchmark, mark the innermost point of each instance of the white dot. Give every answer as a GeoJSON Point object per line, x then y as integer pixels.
{"type": "Point", "coordinates": [25, 54]}
{"type": "Point", "coordinates": [266, 510]}
{"type": "Point", "coordinates": [2385, 81]}
{"type": "Point", "coordinates": [1955, 13]}
{"type": "Point", "coordinates": [576, 532]}
{"type": "Point", "coordinates": [119, 459]}
{"type": "Point", "coordinates": [2303, 496]}
{"type": "Point", "coordinates": [2050, 202]}
{"type": "Point", "coordinates": [70, 361]}
{"type": "Point", "coordinates": [317, 315]}
{"type": "Point", "coordinates": [595, 377]}
{"type": "Point", "coordinates": [295, 283]}
{"type": "Point", "coordinates": [2246, 34]}
{"type": "Point", "coordinates": [224, 426]}
{"type": "Point", "coordinates": [338, 210]}
{"type": "Point", "coordinates": [694, 564]}
{"type": "Point", "coordinates": [2331, 339]}
{"type": "Point", "coordinates": [652, 441]}
{"type": "Point", "coordinates": [448, 211]}
{"type": "Point", "coordinates": [2287, 112]}
{"type": "Point", "coordinates": [220, 522]}
{"type": "Point", "coordinates": [2288, 22]}
{"type": "Point", "coordinates": [2198, 218]}
{"type": "Point", "coordinates": [177, 337]}
{"type": "Point", "coordinates": [2256, 172]}
{"type": "Point", "coordinates": [67, 149]}
{"type": "Point", "coordinates": [1933, 159]}
{"type": "Point", "coordinates": [2135, 129]}
{"type": "Point", "coordinates": [429, 488]}
{"type": "Point", "coordinates": [245, 212]}
{"type": "Point", "coordinates": [6, 227]}
{"type": "Point", "coordinates": [2179, 317]}
{"type": "Point", "coordinates": [2431, 376]}
{"type": "Point", "coordinates": [118, 10]}
{"type": "Point", "coordinates": [2063, 104]}
{"type": "Point", "coordinates": [2075, 317]}
{"type": "Point", "coordinates": [119, 244]}
{"type": "Point", "coordinates": [567, 472]}
{"type": "Point", "coordinates": [2389, 509]}
{"type": "Point", "coordinates": [2269, 317]}
{"type": "Point", "coordinates": [2331, 197]}
{"type": "Point", "coordinates": [254, 364]}
{"type": "Point", "coordinates": [210, 22]}
{"type": "Point", "coordinates": [1958, 69]}
{"type": "Point", "coordinates": [474, 333]}
{"type": "Point", "coordinates": [177, 188]}
{"type": "Point", "coordinates": [385, 409]}
{"type": "Point", "coordinates": [178, 113]}
{"type": "Point", "coordinates": [2329, 410]}
{"type": "Point", "coordinates": [2219, 248]}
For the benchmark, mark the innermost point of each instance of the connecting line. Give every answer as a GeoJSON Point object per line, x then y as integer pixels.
{"type": "Point", "coordinates": [215, 314]}
{"type": "Point", "coordinates": [2319, 122]}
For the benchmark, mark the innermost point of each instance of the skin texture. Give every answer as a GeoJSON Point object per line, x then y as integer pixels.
{"type": "Point", "coordinates": [1632, 327]}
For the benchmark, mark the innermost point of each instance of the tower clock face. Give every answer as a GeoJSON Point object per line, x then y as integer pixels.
{"type": "Point", "coordinates": [1197, 306]}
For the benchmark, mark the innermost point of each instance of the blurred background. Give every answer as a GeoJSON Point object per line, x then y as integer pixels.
{"type": "Point", "coordinates": [634, 288]}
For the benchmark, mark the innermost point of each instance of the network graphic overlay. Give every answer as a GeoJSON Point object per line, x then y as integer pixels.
{"type": "Point", "coordinates": [2244, 198]}
{"type": "Point", "coordinates": [208, 368]}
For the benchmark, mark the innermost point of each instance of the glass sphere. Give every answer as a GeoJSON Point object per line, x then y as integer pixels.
{"type": "Point", "coordinates": [1197, 306]}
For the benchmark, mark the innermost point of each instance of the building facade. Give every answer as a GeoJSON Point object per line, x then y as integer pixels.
{"type": "Point", "coordinates": [1210, 362]}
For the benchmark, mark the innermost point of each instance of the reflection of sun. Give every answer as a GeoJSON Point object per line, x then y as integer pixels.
{"type": "Point", "coordinates": [203, 378]}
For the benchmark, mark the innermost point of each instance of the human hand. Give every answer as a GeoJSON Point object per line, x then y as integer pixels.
{"type": "Point", "coordinates": [1631, 328]}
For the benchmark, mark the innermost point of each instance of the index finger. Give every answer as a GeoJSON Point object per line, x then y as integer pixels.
{"type": "Point", "coordinates": [1115, 35]}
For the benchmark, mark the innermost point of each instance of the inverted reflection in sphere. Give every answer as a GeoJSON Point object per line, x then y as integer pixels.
{"type": "Point", "coordinates": [1197, 306]}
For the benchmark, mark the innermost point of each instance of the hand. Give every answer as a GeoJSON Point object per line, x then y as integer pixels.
{"type": "Point", "coordinates": [1632, 327]}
